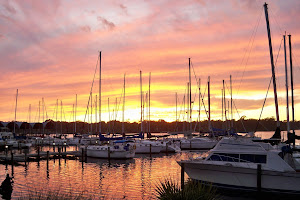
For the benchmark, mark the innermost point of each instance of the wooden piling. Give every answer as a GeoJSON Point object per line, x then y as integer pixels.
{"type": "Point", "coordinates": [25, 158]}
{"type": "Point", "coordinates": [12, 163]}
{"type": "Point", "coordinates": [108, 151]}
{"type": "Point", "coordinates": [47, 158]}
{"type": "Point", "coordinates": [258, 173]}
{"type": "Point", "coordinates": [59, 151]}
{"type": "Point", "coordinates": [38, 151]}
{"type": "Point", "coordinates": [182, 175]}
{"type": "Point", "coordinates": [191, 144]}
{"type": "Point", "coordinates": [82, 154]}
{"type": "Point", "coordinates": [180, 144]}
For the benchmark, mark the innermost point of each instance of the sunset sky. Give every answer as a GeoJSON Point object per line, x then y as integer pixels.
{"type": "Point", "coordinates": [49, 49]}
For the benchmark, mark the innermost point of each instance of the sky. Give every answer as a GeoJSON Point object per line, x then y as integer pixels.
{"type": "Point", "coordinates": [49, 51]}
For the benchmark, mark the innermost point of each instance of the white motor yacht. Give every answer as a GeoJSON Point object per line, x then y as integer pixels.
{"type": "Point", "coordinates": [234, 163]}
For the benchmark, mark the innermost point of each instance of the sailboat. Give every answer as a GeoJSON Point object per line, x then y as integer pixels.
{"type": "Point", "coordinates": [119, 149]}
{"type": "Point", "coordinates": [241, 164]}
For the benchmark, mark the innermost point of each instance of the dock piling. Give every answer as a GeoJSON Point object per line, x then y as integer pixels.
{"type": "Point", "coordinates": [182, 175]}
{"type": "Point", "coordinates": [259, 178]}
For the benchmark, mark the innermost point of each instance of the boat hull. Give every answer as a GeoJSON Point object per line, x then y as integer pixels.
{"type": "Point", "coordinates": [243, 178]}
{"type": "Point", "coordinates": [100, 152]}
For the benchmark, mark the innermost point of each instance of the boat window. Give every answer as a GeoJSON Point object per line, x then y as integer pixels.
{"type": "Point", "coordinates": [235, 158]}
{"type": "Point", "coordinates": [253, 158]}
{"type": "Point", "coordinates": [225, 157]}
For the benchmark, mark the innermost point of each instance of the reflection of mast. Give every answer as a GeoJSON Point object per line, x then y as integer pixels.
{"type": "Point", "coordinates": [272, 66]}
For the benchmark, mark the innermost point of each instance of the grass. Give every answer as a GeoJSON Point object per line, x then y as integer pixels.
{"type": "Point", "coordinates": [169, 189]}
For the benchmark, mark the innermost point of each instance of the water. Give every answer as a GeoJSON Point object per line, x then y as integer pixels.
{"type": "Point", "coordinates": [98, 178]}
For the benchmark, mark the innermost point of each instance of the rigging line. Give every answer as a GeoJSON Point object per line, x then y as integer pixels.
{"type": "Point", "coordinates": [274, 17]}
{"type": "Point", "coordinates": [263, 105]}
{"type": "Point", "coordinates": [251, 39]}
{"type": "Point", "coordinates": [239, 116]}
{"type": "Point", "coordinates": [91, 89]}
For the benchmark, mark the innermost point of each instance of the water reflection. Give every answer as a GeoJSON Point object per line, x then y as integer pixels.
{"type": "Point", "coordinates": [97, 178]}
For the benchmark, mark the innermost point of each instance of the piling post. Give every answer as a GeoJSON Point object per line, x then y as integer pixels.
{"type": "Point", "coordinates": [59, 150]}
{"type": "Point", "coordinates": [38, 150]}
{"type": "Point", "coordinates": [182, 175]}
{"type": "Point", "coordinates": [258, 173]}
{"type": "Point", "coordinates": [12, 163]}
{"type": "Point", "coordinates": [82, 154]}
{"type": "Point", "coordinates": [191, 144]}
{"type": "Point", "coordinates": [108, 151]}
{"type": "Point", "coordinates": [47, 159]}
{"type": "Point", "coordinates": [167, 148]}
{"type": "Point", "coordinates": [180, 144]}
{"type": "Point", "coordinates": [25, 158]}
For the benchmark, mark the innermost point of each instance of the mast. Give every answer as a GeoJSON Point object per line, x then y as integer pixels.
{"type": "Point", "coordinates": [225, 112]}
{"type": "Point", "coordinates": [272, 66]}
{"type": "Point", "coordinates": [43, 105]}
{"type": "Point", "coordinates": [16, 111]}
{"type": "Point", "coordinates": [61, 116]}
{"type": "Point", "coordinates": [190, 94]}
{"type": "Point", "coordinates": [292, 89]}
{"type": "Point", "coordinates": [123, 129]}
{"type": "Point", "coordinates": [231, 103]}
{"type": "Point", "coordinates": [56, 116]}
{"type": "Point", "coordinates": [187, 107]}
{"type": "Point", "coordinates": [91, 112]}
{"type": "Point", "coordinates": [287, 88]}
{"type": "Point", "coordinates": [208, 93]}
{"type": "Point", "coordinates": [96, 113]}
{"type": "Point", "coordinates": [176, 110]}
{"type": "Point", "coordinates": [75, 113]}
{"type": "Point", "coordinates": [199, 102]}
{"type": "Point", "coordinates": [141, 101]}
{"type": "Point", "coordinates": [30, 118]}
{"type": "Point", "coordinates": [108, 116]}
{"type": "Point", "coordinates": [100, 92]}
{"type": "Point", "coordinates": [149, 103]}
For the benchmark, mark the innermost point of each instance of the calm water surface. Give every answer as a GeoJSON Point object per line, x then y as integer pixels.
{"type": "Point", "coordinates": [98, 178]}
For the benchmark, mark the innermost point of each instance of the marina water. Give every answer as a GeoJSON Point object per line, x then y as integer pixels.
{"type": "Point", "coordinates": [98, 178]}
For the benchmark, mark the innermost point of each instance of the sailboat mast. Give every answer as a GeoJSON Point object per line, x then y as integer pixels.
{"type": "Point", "coordinates": [75, 112]}
{"type": "Point", "coordinates": [225, 111]}
{"type": "Point", "coordinates": [272, 65]}
{"type": "Point", "coordinates": [123, 129]}
{"type": "Point", "coordinates": [287, 88]}
{"type": "Point", "coordinates": [149, 103]}
{"type": "Point", "coordinates": [292, 85]}
{"type": "Point", "coordinates": [91, 112]}
{"type": "Point", "coordinates": [176, 110]}
{"type": "Point", "coordinates": [96, 99]}
{"type": "Point", "coordinates": [199, 102]}
{"type": "Point", "coordinates": [141, 101]}
{"type": "Point", "coordinates": [16, 112]}
{"type": "Point", "coordinates": [231, 103]}
{"type": "Point", "coordinates": [208, 93]}
{"type": "Point", "coordinates": [190, 94]}
{"type": "Point", "coordinates": [108, 116]}
{"type": "Point", "coordinates": [61, 116]}
{"type": "Point", "coordinates": [100, 92]}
